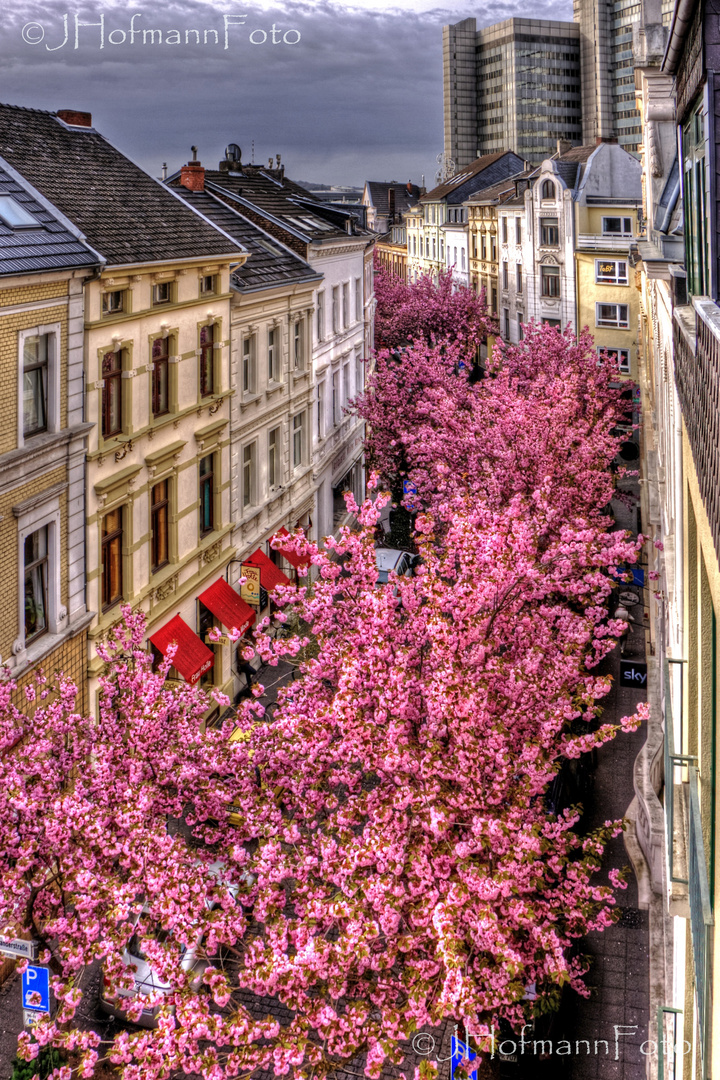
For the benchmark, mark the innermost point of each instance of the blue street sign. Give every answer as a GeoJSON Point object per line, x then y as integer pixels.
{"type": "Point", "coordinates": [461, 1052]}
{"type": "Point", "coordinates": [409, 489]}
{"type": "Point", "coordinates": [36, 980]}
{"type": "Point", "coordinates": [638, 574]}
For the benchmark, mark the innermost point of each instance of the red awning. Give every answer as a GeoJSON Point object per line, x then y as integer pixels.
{"type": "Point", "coordinates": [292, 557]}
{"type": "Point", "coordinates": [270, 574]}
{"type": "Point", "coordinates": [192, 658]}
{"type": "Point", "coordinates": [229, 608]}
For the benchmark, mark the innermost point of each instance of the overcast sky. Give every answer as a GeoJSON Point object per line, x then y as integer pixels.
{"type": "Point", "coordinates": [357, 97]}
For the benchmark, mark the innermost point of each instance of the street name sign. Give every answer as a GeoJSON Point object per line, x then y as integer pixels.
{"type": "Point", "coordinates": [19, 948]}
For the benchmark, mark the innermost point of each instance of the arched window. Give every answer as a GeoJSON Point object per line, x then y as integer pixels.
{"type": "Point", "coordinates": [547, 190]}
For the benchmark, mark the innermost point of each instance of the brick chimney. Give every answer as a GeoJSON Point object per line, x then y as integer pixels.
{"type": "Point", "coordinates": [192, 175]}
{"type": "Point", "coordinates": [599, 139]}
{"type": "Point", "coordinates": [74, 118]}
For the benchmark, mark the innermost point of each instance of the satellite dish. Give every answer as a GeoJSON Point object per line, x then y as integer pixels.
{"type": "Point", "coordinates": [233, 152]}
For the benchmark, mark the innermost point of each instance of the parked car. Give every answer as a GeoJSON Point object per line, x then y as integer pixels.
{"type": "Point", "coordinates": [147, 983]}
{"type": "Point", "coordinates": [389, 559]}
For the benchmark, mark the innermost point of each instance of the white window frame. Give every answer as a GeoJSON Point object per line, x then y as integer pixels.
{"type": "Point", "coordinates": [336, 309]}
{"type": "Point", "coordinates": [299, 345]}
{"type": "Point", "coordinates": [276, 481]}
{"type": "Point", "coordinates": [250, 339]}
{"type": "Point", "coordinates": [624, 225]}
{"type": "Point", "coordinates": [345, 304]}
{"type": "Point", "coordinates": [622, 354]}
{"type": "Point", "coordinates": [53, 331]}
{"type": "Point", "coordinates": [346, 383]}
{"type": "Point", "coordinates": [294, 431]}
{"type": "Point", "coordinates": [336, 403]}
{"type": "Point", "coordinates": [359, 313]}
{"type": "Point", "coordinates": [320, 327]}
{"type": "Point", "coordinates": [616, 279]}
{"type": "Point", "coordinates": [320, 406]}
{"type": "Point", "coordinates": [274, 355]}
{"type": "Point", "coordinates": [617, 324]}
{"type": "Point", "coordinates": [156, 293]}
{"type": "Point", "coordinates": [360, 373]}
{"type": "Point", "coordinates": [45, 511]}
{"type": "Point", "coordinates": [249, 489]}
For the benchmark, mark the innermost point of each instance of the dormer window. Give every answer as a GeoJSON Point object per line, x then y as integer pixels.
{"type": "Point", "coordinates": [15, 215]}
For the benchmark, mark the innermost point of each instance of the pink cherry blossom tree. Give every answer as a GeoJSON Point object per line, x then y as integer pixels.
{"type": "Point", "coordinates": [394, 864]}
{"type": "Point", "coordinates": [426, 309]}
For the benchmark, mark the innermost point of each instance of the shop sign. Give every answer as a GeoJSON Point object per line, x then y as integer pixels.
{"type": "Point", "coordinates": [250, 591]}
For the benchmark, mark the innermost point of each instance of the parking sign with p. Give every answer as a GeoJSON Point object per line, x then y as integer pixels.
{"type": "Point", "coordinates": [36, 981]}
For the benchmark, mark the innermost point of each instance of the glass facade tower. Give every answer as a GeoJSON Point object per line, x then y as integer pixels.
{"type": "Point", "coordinates": [511, 86]}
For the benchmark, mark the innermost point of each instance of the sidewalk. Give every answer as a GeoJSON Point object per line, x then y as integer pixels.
{"type": "Point", "coordinates": [619, 976]}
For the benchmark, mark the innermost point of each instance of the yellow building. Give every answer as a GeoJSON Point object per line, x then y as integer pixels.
{"type": "Point", "coordinates": [43, 264]}
{"type": "Point", "coordinates": [393, 252]}
{"type": "Point", "coordinates": [43, 437]}
{"type": "Point", "coordinates": [157, 391]}
{"type": "Point", "coordinates": [606, 297]}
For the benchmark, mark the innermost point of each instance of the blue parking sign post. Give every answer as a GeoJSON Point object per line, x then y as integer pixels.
{"type": "Point", "coordinates": [36, 980]}
{"type": "Point", "coordinates": [461, 1052]}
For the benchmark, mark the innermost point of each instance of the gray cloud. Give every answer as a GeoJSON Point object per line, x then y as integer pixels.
{"type": "Point", "coordinates": [359, 97]}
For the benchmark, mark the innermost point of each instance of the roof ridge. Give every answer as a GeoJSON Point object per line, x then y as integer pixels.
{"type": "Point", "coordinates": [27, 108]}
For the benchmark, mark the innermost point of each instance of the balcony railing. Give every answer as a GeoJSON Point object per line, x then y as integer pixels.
{"type": "Point", "coordinates": [595, 242]}
{"type": "Point", "coordinates": [701, 921]}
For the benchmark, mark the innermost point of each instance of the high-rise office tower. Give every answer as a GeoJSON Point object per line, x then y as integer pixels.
{"type": "Point", "coordinates": [608, 74]}
{"type": "Point", "coordinates": [514, 85]}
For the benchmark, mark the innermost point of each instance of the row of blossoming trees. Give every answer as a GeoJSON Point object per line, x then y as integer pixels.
{"type": "Point", "coordinates": [394, 865]}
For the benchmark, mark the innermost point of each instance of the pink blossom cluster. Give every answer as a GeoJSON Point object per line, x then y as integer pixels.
{"type": "Point", "coordinates": [425, 310]}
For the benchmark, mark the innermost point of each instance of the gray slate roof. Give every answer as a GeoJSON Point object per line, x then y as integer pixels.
{"type": "Point", "coordinates": [125, 214]}
{"type": "Point", "coordinates": [299, 211]}
{"type": "Point", "coordinates": [481, 173]}
{"type": "Point", "coordinates": [403, 198]}
{"type": "Point", "coordinates": [271, 265]}
{"type": "Point", "coordinates": [49, 246]}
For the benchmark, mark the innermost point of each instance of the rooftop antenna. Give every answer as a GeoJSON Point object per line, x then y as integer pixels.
{"type": "Point", "coordinates": [194, 152]}
{"type": "Point", "coordinates": [164, 170]}
{"type": "Point", "coordinates": [253, 152]}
